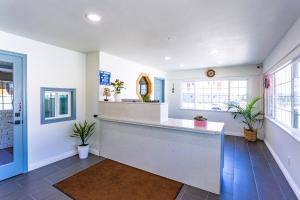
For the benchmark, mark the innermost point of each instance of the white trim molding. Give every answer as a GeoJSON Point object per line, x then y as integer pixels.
{"type": "Point", "coordinates": [94, 151]}
{"type": "Point", "coordinates": [51, 160]}
{"type": "Point", "coordinates": [285, 172]}
{"type": "Point", "coordinates": [59, 157]}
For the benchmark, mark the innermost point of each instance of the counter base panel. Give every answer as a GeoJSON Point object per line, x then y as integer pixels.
{"type": "Point", "coordinates": [191, 158]}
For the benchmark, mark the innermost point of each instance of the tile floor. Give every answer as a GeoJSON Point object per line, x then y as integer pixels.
{"type": "Point", "coordinates": [250, 173]}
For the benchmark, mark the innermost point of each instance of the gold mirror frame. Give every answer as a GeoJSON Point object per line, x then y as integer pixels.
{"type": "Point", "coordinates": [149, 85]}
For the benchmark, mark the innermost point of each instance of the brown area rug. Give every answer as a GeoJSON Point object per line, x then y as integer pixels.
{"type": "Point", "coordinates": [110, 180]}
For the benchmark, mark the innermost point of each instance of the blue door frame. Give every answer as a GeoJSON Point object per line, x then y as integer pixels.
{"type": "Point", "coordinates": [20, 162]}
{"type": "Point", "coordinates": [159, 89]}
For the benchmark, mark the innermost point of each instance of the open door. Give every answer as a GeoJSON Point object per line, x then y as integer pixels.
{"type": "Point", "coordinates": [13, 154]}
{"type": "Point", "coordinates": [159, 89]}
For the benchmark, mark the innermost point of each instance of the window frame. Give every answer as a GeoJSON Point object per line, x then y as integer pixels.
{"type": "Point", "coordinates": [275, 100]}
{"type": "Point", "coordinates": [207, 80]}
{"type": "Point", "coordinates": [58, 117]}
{"type": "Point", "coordinates": [290, 129]}
{"type": "Point", "coordinates": [2, 105]}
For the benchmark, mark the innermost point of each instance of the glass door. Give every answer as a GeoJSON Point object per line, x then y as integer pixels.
{"type": "Point", "coordinates": [159, 90]}
{"type": "Point", "coordinates": [11, 115]}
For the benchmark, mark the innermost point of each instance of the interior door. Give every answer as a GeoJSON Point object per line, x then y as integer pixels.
{"type": "Point", "coordinates": [12, 159]}
{"type": "Point", "coordinates": [159, 89]}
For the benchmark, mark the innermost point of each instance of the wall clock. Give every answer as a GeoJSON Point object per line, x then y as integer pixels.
{"type": "Point", "coordinates": [210, 73]}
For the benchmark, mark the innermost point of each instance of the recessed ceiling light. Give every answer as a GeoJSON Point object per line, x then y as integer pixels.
{"type": "Point", "coordinates": [93, 17]}
{"type": "Point", "coordinates": [182, 65]}
{"type": "Point", "coordinates": [213, 52]}
{"type": "Point", "coordinates": [168, 58]}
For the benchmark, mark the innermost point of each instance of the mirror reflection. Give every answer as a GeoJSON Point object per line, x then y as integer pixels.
{"type": "Point", "coordinates": [143, 86]}
{"type": "Point", "coordinates": [6, 113]}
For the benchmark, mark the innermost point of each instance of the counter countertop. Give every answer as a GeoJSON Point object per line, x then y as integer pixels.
{"type": "Point", "coordinates": [171, 123]}
{"type": "Point", "coordinates": [130, 102]}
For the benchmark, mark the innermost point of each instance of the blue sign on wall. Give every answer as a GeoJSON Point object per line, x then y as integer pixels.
{"type": "Point", "coordinates": [104, 78]}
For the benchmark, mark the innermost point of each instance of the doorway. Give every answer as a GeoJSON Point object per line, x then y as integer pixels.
{"type": "Point", "coordinates": [159, 89]}
{"type": "Point", "coordinates": [13, 130]}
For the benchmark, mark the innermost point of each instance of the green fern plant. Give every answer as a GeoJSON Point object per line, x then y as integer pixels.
{"type": "Point", "coordinates": [247, 115]}
{"type": "Point", "coordinates": [146, 98]}
{"type": "Point", "coordinates": [83, 131]}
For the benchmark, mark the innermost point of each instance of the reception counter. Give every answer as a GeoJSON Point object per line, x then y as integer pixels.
{"type": "Point", "coordinates": [152, 112]}
{"type": "Point", "coordinates": [172, 148]}
{"type": "Point", "coordinates": [171, 123]}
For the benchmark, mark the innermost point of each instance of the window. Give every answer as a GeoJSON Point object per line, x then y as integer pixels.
{"type": "Point", "coordinates": [213, 95]}
{"type": "Point", "coordinates": [57, 105]}
{"type": "Point", "coordinates": [270, 96]}
{"type": "Point", "coordinates": [6, 95]}
{"type": "Point", "coordinates": [283, 95]}
{"type": "Point", "coordinates": [188, 95]}
{"type": "Point", "coordinates": [296, 95]}
{"type": "Point", "coordinates": [238, 92]}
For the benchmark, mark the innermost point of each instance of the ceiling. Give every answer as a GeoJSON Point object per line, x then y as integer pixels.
{"type": "Point", "coordinates": [195, 33]}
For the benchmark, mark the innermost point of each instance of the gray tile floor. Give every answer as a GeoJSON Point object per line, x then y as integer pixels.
{"type": "Point", "coordinates": [250, 172]}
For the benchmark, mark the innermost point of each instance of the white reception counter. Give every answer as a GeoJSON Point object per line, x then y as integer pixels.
{"type": "Point", "coordinates": [173, 148]}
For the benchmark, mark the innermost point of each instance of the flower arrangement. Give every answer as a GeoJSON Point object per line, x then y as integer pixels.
{"type": "Point", "coordinates": [118, 86]}
{"type": "Point", "coordinates": [200, 118]}
{"type": "Point", "coordinates": [106, 93]}
{"type": "Point", "coordinates": [200, 121]}
{"type": "Point", "coordinates": [146, 98]}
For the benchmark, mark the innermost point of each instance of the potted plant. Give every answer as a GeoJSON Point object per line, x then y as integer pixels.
{"type": "Point", "coordinates": [200, 121]}
{"type": "Point", "coordinates": [118, 86]}
{"type": "Point", "coordinates": [249, 117]}
{"type": "Point", "coordinates": [147, 98]}
{"type": "Point", "coordinates": [84, 132]}
{"type": "Point", "coordinates": [106, 93]}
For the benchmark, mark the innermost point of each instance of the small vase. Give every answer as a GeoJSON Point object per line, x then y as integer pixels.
{"type": "Point", "coordinates": [117, 97]}
{"type": "Point", "coordinates": [200, 123]}
{"type": "Point", "coordinates": [83, 151]}
{"type": "Point", "coordinates": [250, 136]}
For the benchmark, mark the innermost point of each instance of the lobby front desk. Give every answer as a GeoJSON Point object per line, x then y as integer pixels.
{"type": "Point", "coordinates": [173, 148]}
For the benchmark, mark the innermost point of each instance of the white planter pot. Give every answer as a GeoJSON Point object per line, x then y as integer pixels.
{"type": "Point", "coordinates": [83, 151]}
{"type": "Point", "coordinates": [117, 97]}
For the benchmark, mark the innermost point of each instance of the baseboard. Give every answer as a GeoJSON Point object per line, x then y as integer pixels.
{"type": "Point", "coordinates": [94, 151]}
{"type": "Point", "coordinates": [285, 172]}
{"type": "Point", "coordinates": [239, 134]}
{"type": "Point", "coordinates": [51, 160]}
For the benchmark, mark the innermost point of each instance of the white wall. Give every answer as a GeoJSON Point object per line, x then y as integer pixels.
{"type": "Point", "coordinates": [120, 68]}
{"type": "Point", "coordinates": [126, 71]}
{"type": "Point", "coordinates": [48, 66]}
{"type": "Point", "coordinates": [233, 127]}
{"type": "Point", "coordinates": [282, 144]}
{"type": "Point", "coordinates": [92, 96]}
